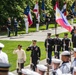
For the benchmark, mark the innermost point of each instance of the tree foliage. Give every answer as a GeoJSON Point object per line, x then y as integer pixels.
{"type": "Point", "coordinates": [15, 8]}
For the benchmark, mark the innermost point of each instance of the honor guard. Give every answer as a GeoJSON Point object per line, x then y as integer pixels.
{"type": "Point", "coordinates": [74, 71]}
{"type": "Point", "coordinates": [3, 56]}
{"type": "Point", "coordinates": [74, 39]}
{"type": "Point", "coordinates": [35, 54]}
{"type": "Point", "coordinates": [9, 26]}
{"type": "Point", "coordinates": [55, 67]}
{"type": "Point", "coordinates": [4, 68]}
{"type": "Point", "coordinates": [41, 69]}
{"type": "Point", "coordinates": [66, 43]}
{"type": "Point", "coordinates": [48, 47]}
{"type": "Point", "coordinates": [57, 46]}
{"type": "Point", "coordinates": [74, 61]}
{"type": "Point", "coordinates": [15, 26]}
{"type": "Point", "coordinates": [21, 58]}
{"type": "Point", "coordinates": [26, 23]}
{"type": "Point", "coordinates": [66, 65]}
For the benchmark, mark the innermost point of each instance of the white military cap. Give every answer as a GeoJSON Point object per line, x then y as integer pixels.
{"type": "Point", "coordinates": [41, 67]}
{"type": "Point", "coordinates": [54, 60]}
{"type": "Point", "coordinates": [65, 53]}
{"type": "Point", "coordinates": [10, 73]}
{"type": "Point", "coordinates": [66, 74]}
{"type": "Point", "coordinates": [74, 69]}
{"type": "Point", "coordinates": [26, 71]}
{"type": "Point", "coordinates": [74, 49]}
{"type": "Point", "coordinates": [34, 73]}
{"type": "Point", "coordinates": [1, 45]}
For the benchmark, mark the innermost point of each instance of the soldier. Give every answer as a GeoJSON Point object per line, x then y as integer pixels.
{"type": "Point", "coordinates": [21, 58]}
{"type": "Point", "coordinates": [66, 65]}
{"type": "Point", "coordinates": [3, 56]}
{"type": "Point", "coordinates": [74, 39]}
{"type": "Point", "coordinates": [57, 46]}
{"type": "Point", "coordinates": [35, 54]}
{"type": "Point", "coordinates": [41, 69]}
{"type": "Point", "coordinates": [48, 47]}
{"type": "Point", "coordinates": [26, 23]}
{"type": "Point", "coordinates": [15, 26]}
{"type": "Point", "coordinates": [9, 26]}
{"type": "Point", "coordinates": [55, 67]}
{"type": "Point", "coordinates": [66, 43]}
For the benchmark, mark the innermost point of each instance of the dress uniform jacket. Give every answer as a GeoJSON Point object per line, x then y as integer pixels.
{"type": "Point", "coordinates": [65, 43]}
{"type": "Point", "coordinates": [49, 44]}
{"type": "Point", "coordinates": [3, 57]}
{"type": "Point", "coordinates": [57, 72]}
{"type": "Point", "coordinates": [74, 40]}
{"type": "Point", "coordinates": [57, 42]}
{"type": "Point", "coordinates": [65, 67]}
{"type": "Point", "coordinates": [9, 24]}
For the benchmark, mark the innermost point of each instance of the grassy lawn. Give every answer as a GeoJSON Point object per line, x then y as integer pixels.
{"type": "Point", "coordinates": [11, 45]}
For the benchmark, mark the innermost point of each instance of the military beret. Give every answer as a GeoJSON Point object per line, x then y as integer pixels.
{"type": "Point", "coordinates": [65, 34]}
{"type": "Point", "coordinates": [41, 67]}
{"type": "Point", "coordinates": [65, 53]}
{"type": "Point", "coordinates": [48, 34]}
{"type": "Point", "coordinates": [1, 45]}
{"type": "Point", "coordinates": [57, 61]}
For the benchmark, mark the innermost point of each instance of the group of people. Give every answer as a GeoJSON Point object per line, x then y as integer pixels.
{"type": "Point", "coordinates": [62, 63]}
{"type": "Point", "coordinates": [9, 26]}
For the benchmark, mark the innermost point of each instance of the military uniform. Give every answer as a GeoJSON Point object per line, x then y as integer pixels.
{"type": "Point", "coordinates": [49, 48]}
{"type": "Point", "coordinates": [15, 27]}
{"type": "Point", "coordinates": [66, 65]}
{"type": "Point", "coordinates": [57, 47]}
{"type": "Point", "coordinates": [66, 44]}
{"type": "Point", "coordinates": [74, 40]}
{"type": "Point", "coordinates": [9, 27]}
{"type": "Point", "coordinates": [35, 55]}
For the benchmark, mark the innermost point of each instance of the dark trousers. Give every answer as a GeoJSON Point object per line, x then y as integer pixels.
{"type": "Point", "coordinates": [8, 31]}
{"type": "Point", "coordinates": [34, 63]}
{"type": "Point", "coordinates": [49, 57]}
{"type": "Point", "coordinates": [15, 29]}
{"type": "Point", "coordinates": [20, 65]}
{"type": "Point", "coordinates": [47, 25]}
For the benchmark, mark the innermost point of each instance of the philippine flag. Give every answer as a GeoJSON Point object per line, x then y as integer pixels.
{"type": "Point", "coordinates": [61, 20]}
{"type": "Point", "coordinates": [28, 13]}
{"type": "Point", "coordinates": [64, 9]}
{"type": "Point", "coordinates": [36, 11]}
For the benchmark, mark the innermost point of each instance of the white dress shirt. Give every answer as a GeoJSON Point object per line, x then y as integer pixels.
{"type": "Point", "coordinates": [3, 57]}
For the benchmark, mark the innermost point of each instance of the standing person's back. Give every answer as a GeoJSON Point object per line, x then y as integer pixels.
{"type": "Point", "coordinates": [3, 55]}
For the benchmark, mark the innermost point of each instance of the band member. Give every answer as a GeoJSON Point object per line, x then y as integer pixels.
{"type": "Point", "coordinates": [15, 26]}
{"type": "Point", "coordinates": [3, 55]}
{"type": "Point", "coordinates": [41, 69]}
{"type": "Point", "coordinates": [21, 58]}
{"type": "Point", "coordinates": [48, 47]}
{"type": "Point", "coordinates": [57, 46]}
{"type": "Point", "coordinates": [66, 65]}
{"type": "Point", "coordinates": [35, 54]}
{"type": "Point", "coordinates": [74, 39]}
{"type": "Point", "coordinates": [55, 66]}
{"type": "Point", "coordinates": [66, 43]}
{"type": "Point", "coordinates": [9, 26]}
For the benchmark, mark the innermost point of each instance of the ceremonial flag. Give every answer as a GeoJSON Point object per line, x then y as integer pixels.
{"type": "Point", "coordinates": [28, 14]}
{"type": "Point", "coordinates": [56, 5]}
{"type": "Point", "coordinates": [43, 5]}
{"type": "Point", "coordinates": [61, 20]}
{"type": "Point", "coordinates": [36, 11]}
{"type": "Point", "coordinates": [64, 9]}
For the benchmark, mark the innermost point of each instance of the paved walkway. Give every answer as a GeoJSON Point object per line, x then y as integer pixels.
{"type": "Point", "coordinates": [39, 36]}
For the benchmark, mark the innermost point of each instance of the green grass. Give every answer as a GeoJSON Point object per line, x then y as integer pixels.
{"type": "Point", "coordinates": [11, 45]}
